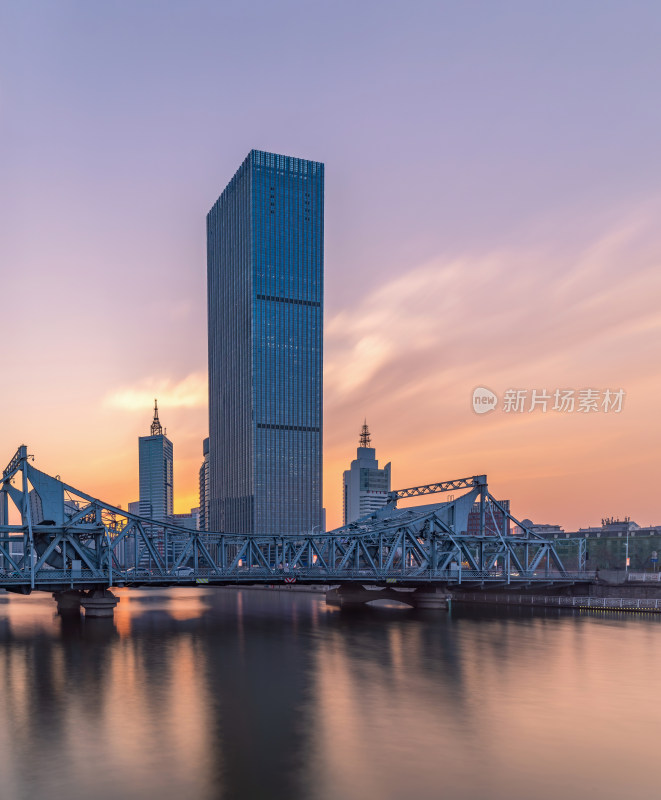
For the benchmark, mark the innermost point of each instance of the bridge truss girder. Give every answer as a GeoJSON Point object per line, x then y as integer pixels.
{"type": "Point", "coordinates": [83, 542]}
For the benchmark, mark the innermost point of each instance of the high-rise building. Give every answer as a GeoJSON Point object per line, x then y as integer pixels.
{"type": "Point", "coordinates": [366, 487]}
{"type": "Point", "coordinates": [156, 472]}
{"type": "Point", "coordinates": [204, 488]}
{"type": "Point", "coordinates": [265, 256]}
{"type": "Point", "coordinates": [495, 522]}
{"type": "Point", "coordinates": [190, 521]}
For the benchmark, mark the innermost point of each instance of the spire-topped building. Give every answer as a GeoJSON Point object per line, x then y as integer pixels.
{"type": "Point", "coordinates": [366, 486]}
{"type": "Point", "coordinates": [155, 454]}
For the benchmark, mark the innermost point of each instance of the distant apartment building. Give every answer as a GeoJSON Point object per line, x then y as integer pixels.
{"type": "Point", "coordinates": [204, 488]}
{"type": "Point", "coordinates": [190, 521]}
{"type": "Point", "coordinates": [365, 486]}
{"type": "Point", "coordinates": [540, 528]}
{"type": "Point", "coordinates": [611, 526]}
{"type": "Point", "coordinates": [155, 453]}
{"type": "Point", "coordinates": [495, 521]}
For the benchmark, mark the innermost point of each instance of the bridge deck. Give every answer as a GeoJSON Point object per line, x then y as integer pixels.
{"type": "Point", "coordinates": [68, 539]}
{"type": "Point", "coordinates": [52, 580]}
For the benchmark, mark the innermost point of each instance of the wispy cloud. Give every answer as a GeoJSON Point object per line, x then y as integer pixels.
{"type": "Point", "coordinates": [449, 321]}
{"type": "Point", "coordinates": [189, 392]}
{"type": "Point", "coordinates": [409, 354]}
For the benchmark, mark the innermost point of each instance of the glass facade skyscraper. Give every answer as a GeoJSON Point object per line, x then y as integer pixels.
{"type": "Point", "coordinates": [155, 455]}
{"type": "Point", "coordinates": [265, 257]}
{"type": "Point", "coordinates": [204, 488]}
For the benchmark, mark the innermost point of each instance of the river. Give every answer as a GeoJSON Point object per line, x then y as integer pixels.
{"type": "Point", "coordinates": [201, 694]}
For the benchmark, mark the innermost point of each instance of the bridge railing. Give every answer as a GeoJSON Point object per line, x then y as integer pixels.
{"type": "Point", "coordinates": [52, 576]}
{"type": "Point", "coordinates": [319, 573]}
{"type": "Point", "coordinates": [596, 603]}
{"type": "Point", "coordinates": [246, 571]}
{"type": "Point", "coordinates": [644, 576]}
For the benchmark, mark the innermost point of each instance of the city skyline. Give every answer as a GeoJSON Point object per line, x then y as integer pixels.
{"type": "Point", "coordinates": [490, 221]}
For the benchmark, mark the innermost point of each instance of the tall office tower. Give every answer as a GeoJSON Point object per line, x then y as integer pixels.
{"type": "Point", "coordinates": [155, 466]}
{"type": "Point", "coordinates": [366, 486]}
{"type": "Point", "coordinates": [265, 269]}
{"type": "Point", "coordinates": [204, 488]}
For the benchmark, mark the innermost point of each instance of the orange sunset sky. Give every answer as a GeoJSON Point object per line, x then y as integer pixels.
{"type": "Point", "coordinates": [493, 196]}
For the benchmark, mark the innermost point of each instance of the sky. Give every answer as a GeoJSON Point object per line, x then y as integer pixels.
{"type": "Point", "coordinates": [493, 193]}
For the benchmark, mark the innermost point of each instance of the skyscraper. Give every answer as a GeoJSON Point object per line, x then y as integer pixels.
{"type": "Point", "coordinates": [265, 256]}
{"type": "Point", "coordinates": [366, 486]}
{"type": "Point", "coordinates": [204, 488]}
{"type": "Point", "coordinates": [155, 455]}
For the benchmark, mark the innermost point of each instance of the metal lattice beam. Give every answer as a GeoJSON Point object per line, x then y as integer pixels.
{"type": "Point", "coordinates": [78, 541]}
{"type": "Point", "coordinates": [434, 488]}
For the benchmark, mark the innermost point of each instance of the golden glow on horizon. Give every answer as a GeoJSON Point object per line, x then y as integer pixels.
{"type": "Point", "coordinates": [407, 355]}
{"type": "Point", "coordinates": [190, 392]}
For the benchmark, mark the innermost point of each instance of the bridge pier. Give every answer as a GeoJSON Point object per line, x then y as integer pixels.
{"type": "Point", "coordinates": [349, 597]}
{"type": "Point", "coordinates": [99, 603]}
{"type": "Point", "coordinates": [431, 599]}
{"type": "Point", "coordinates": [353, 596]}
{"type": "Point", "coordinates": [68, 602]}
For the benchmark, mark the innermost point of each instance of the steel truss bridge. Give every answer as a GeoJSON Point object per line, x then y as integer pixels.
{"type": "Point", "coordinates": [69, 540]}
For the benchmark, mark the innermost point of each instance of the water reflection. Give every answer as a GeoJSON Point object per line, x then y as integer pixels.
{"type": "Point", "coordinates": [259, 694]}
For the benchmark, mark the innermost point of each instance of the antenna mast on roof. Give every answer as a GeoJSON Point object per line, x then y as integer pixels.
{"type": "Point", "coordinates": [156, 427]}
{"type": "Point", "coordinates": [365, 438]}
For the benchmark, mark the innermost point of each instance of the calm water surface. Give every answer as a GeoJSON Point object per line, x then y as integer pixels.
{"type": "Point", "coordinates": [205, 694]}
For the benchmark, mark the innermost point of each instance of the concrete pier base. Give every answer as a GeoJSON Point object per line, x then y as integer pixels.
{"type": "Point", "coordinates": [99, 603]}
{"type": "Point", "coordinates": [68, 603]}
{"type": "Point", "coordinates": [431, 599]}
{"type": "Point", "coordinates": [355, 596]}
{"type": "Point", "coordinates": [349, 597]}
